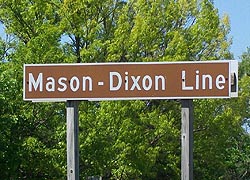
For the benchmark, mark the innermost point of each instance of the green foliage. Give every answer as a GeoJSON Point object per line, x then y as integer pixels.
{"type": "Point", "coordinates": [221, 144]}
{"type": "Point", "coordinates": [118, 140]}
{"type": "Point", "coordinates": [187, 30]}
{"type": "Point", "coordinates": [238, 160]}
{"type": "Point", "coordinates": [90, 26]}
{"type": "Point", "coordinates": [32, 142]}
{"type": "Point", "coordinates": [128, 140]}
{"type": "Point", "coordinates": [244, 66]}
{"type": "Point", "coordinates": [215, 125]}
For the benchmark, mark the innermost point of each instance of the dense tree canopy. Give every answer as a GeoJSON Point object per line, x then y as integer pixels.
{"type": "Point", "coordinates": [121, 139]}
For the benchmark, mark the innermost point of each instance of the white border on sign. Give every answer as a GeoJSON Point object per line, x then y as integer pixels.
{"type": "Point", "coordinates": [120, 63]}
{"type": "Point", "coordinates": [122, 98]}
{"type": "Point", "coordinates": [233, 68]}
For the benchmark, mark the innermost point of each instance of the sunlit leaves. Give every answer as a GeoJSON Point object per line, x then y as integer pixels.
{"type": "Point", "coordinates": [169, 31]}
{"type": "Point", "coordinates": [127, 140]}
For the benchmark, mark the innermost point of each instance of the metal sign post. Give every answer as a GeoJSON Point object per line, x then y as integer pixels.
{"type": "Point", "coordinates": [187, 139]}
{"type": "Point", "coordinates": [72, 141]}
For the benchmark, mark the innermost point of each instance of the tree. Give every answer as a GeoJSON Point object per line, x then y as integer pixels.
{"type": "Point", "coordinates": [238, 155]}
{"type": "Point", "coordinates": [244, 64]}
{"type": "Point", "coordinates": [187, 30]}
{"type": "Point", "coordinates": [128, 139]}
{"type": "Point", "coordinates": [33, 144]}
{"type": "Point", "coordinates": [118, 140]}
{"type": "Point", "coordinates": [220, 139]}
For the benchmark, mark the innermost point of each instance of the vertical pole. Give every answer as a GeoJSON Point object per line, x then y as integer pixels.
{"type": "Point", "coordinates": [72, 141]}
{"type": "Point", "coordinates": [187, 139]}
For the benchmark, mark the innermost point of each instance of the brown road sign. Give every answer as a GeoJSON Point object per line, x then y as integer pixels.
{"type": "Point", "coordinates": [115, 81]}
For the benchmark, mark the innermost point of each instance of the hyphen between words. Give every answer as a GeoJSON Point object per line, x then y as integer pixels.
{"type": "Point", "coordinates": [124, 80]}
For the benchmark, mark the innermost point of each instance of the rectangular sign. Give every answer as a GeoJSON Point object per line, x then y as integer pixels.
{"type": "Point", "coordinates": [117, 81]}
